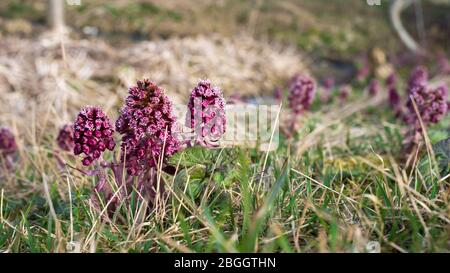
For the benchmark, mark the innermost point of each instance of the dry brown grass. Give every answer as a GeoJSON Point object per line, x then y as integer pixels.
{"type": "Point", "coordinates": [68, 74]}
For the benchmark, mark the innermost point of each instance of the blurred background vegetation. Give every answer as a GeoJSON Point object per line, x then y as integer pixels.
{"type": "Point", "coordinates": [338, 28]}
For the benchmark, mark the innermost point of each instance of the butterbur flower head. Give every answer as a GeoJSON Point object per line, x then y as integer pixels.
{"type": "Point", "coordinates": [301, 93]}
{"type": "Point", "coordinates": [7, 142]}
{"type": "Point", "coordinates": [393, 95]}
{"type": "Point", "coordinates": [391, 80]}
{"type": "Point", "coordinates": [431, 104]}
{"type": "Point", "coordinates": [65, 138]}
{"type": "Point", "coordinates": [394, 98]}
{"type": "Point", "coordinates": [148, 127]}
{"type": "Point", "coordinates": [93, 134]}
{"type": "Point", "coordinates": [418, 78]}
{"type": "Point", "coordinates": [374, 87]}
{"type": "Point", "coordinates": [206, 114]}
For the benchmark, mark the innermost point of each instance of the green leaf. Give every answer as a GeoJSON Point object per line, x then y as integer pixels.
{"type": "Point", "coordinates": [243, 171]}
{"type": "Point", "coordinates": [194, 156]}
{"type": "Point", "coordinates": [442, 153]}
{"type": "Point", "coordinates": [257, 224]}
{"type": "Point", "coordinates": [194, 176]}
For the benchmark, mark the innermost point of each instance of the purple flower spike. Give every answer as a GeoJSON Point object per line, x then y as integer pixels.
{"type": "Point", "coordinates": [8, 144]}
{"type": "Point", "coordinates": [92, 134]}
{"type": "Point", "coordinates": [206, 115]}
{"type": "Point", "coordinates": [431, 105]}
{"type": "Point", "coordinates": [394, 98]}
{"type": "Point", "coordinates": [65, 138]}
{"type": "Point", "coordinates": [148, 126]}
{"type": "Point", "coordinates": [301, 94]}
{"type": "Point", "coordinates": [419, 77]}
{"type": "Point", "coordinates": [391, 80]}
{"type": "Point", "coordinates": [374, 87]}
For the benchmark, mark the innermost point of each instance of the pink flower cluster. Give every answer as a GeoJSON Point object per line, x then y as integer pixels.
{"type": "Point", "coordinates": [391, 80]}
{"type": "Point", "coordinates": [418, 77]}
{"type": "Point", "coordinates": [65, 138]}
{"type": "Point", "coordinates": [431, 104]}
{"type": "Point", "coordinates": [393, 96]}
{"type": "Point", "coordinates": [148, 127]}
{"type": "Point", "coordinates": [8, 144]}
{"type": "Point", "coordinates": [301, 94]}
{"type": "Point", "coordinates": [92, 134]}
{"type": "Point", "coordinates": [206, 114]}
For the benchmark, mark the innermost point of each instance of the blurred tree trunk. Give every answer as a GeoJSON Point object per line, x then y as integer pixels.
{"type": "Point", "coordinates": [56, 15]}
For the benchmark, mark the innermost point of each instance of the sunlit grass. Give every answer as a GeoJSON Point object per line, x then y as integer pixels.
{"type": "Point", "coordinates": [340, 185]}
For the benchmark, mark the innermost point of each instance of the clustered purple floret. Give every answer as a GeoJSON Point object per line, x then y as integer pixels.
{"type": "Point", "coordinates": [391, 80]}
{"type": "Point", "coordinates": [418, 77]}
{"type": "Point", "coordinates": [8, 144]}
{"type": "Point", "coordinates": [394, 98]}
{"type": "Point", "coordinates": [206, 114]}
{"type": "Point", "coordinates": [393, 95]}
{"type": "Point", "coordinates": [148, 126]}
{"type": "Point", "coordinates": [65, 138]}
{"type": "Point", "coordinates": [93, 134]}
{"type": "Point", "coordinates": [431, 104]}
{"type": "Point", "coordinates": [301, 94]}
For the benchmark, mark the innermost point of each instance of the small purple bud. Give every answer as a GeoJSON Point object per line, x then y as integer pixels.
{"type": "Point", "coordinates": [418, 78]}
{"type": "Point", "coordinates": [301, 93]}
{"type": "Point", "coordinates": [7, 142]}
{"type": "Point", "coordinates": [88, 141]}
{"type": "Point", "coordinates": [391, 80]}
{"type": "Point", "coordinates": [87, 161]}
{"type": "Point", "coordinates": [101, 146]}
{"type": "Point", "coordinates": [77, 149]}
{"type": "Point", "coordinates": [65, 138]}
